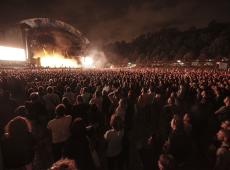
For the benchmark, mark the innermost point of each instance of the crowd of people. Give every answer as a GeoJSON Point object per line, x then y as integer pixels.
{"type": "Point", "coordinates": [115, 119]}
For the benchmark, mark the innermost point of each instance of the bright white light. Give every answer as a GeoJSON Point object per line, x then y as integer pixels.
{"type": "Point", "coordinates": [87, 61]}
{"type": "Point", "coordinates": [57, 61]}
{"type": "Point", "coordinates": [178, 61]}
{"type": "Point", "coordinates": [132, 65]}
{"type": "Point", "coordinates": [12, 54]}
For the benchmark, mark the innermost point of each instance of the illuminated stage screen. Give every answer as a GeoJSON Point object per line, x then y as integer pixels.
{"type": "Point", "coordinates": [12, 54]}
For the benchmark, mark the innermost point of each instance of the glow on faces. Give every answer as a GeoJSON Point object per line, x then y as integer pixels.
{"type": "Point", "coordinates": [12, 54]}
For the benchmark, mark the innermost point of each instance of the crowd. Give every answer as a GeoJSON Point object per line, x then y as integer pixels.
{"type": "Point", "coordinates": [158, 118]}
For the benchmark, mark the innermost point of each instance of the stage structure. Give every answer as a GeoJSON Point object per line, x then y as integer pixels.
{"type": "Point", "coordinates": [53, 43]}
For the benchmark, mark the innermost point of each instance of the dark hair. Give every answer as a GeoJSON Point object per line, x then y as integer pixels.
{"type": "Point", "coordinates": [34, 96]}
{"type": "Point", "coordinates": [65, 100]}
{"type": "Point", "coordinates": [98, 93]}
{"type": "Point", "coordinates": [78, 128]}
{"type": "Point", "coordinates": [18, 126]}
{"type": "Point", "coordinates": [21, 110]}
{"type": "Point", "coordinates": [49, 89]}
{"type": "Point", "coordinates": [60, 110]}
{"type": "Point", "coordinates": [40, 89]}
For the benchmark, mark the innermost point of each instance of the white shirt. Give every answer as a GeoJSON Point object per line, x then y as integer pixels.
{"type": "Point", "coordinates": [114, 140]}
{"type": "Point", "coordinates": [60, 128]}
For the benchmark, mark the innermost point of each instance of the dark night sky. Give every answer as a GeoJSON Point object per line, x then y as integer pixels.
{"type": "Point", "coordinates": [109, 20]}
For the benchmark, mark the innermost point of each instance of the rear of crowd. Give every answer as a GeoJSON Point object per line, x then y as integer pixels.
{"type": "Point", "coordinates": [139, 119]}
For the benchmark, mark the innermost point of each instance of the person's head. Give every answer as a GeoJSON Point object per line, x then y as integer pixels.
{"type": "Point", "coordinates": [144, 90]}
{"type": "Point", "coordinates": [60, 110]}
{"type": "Point", "coordinates": [18, 126]}
{"type": "Point", "coordinates": [21, 110]}
{"type": "Point", "coordinates": [186, 118]}
{"type": "Point", "coordinates": [150, 90]}
{"type": "Point", "coordinates": [40, 89]}
{"type": "Point", "coordinates": [225, 125]}
{"type": "Point", "coordinates": [34, 96]}
{"type": "Point", "coordinates": [104, 93]}
{"type": "Point", "coordinates": [64, 164]}
{"type": "Point", "coordinates": [203, 94]}
{"type": "Point", "coordinates": [30, 90]}
{"type": "Point", "coordinates": [49, 90]}
{"type": "Point", "coordinates": [166, 162]}
{"type": "Point", "coordinates": [65, 101]}
{"type": "Point", "coordinates": [173, 95]}
{"type": "Point", "coordinates": [176, 122]}
{"type": "Point", "coordinates": [157, 96]}
{"type": "Point", "coordinates": [50, 81]}
{"type": "Point", "coordinates": [116, 122]}
{"type": "Point", "coordinates": [171, 100]}
{"type": "Point", "coordinates": [130, 93]}
{"type": "Point", "coordinates": [97, 93]}
{"type": "Point", "coordinates": [68, 89]}
{"type": "Point", "coordinates": [79, 99]}
{"type": "Point", "coordinates": [223, 135]}
{"type": "Point", "coordinates": [227, 101]}
{"type": "Point", "coordinates": [78, 128]}
{"type": "Point", "coordinates": [83, 90]}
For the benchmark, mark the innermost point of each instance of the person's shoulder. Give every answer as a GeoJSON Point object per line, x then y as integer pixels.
{"type": "Point", "coordinates": [222, 151]}
{"type": "Point", "coordinates": [68, 117]}
{"type": "Point", "coordinates": [222, 109]}
{"type": "Point", "coordinates": [51, 122]}
{"type": "Point", "coordinates": [108, 133]}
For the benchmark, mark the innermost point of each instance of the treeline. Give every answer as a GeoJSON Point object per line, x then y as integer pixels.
{"type": "Point", "coordinates": [212, 42]}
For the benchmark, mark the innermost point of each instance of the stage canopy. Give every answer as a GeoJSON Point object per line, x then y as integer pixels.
{"type": "Point", "coordinates": [54, 36]}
